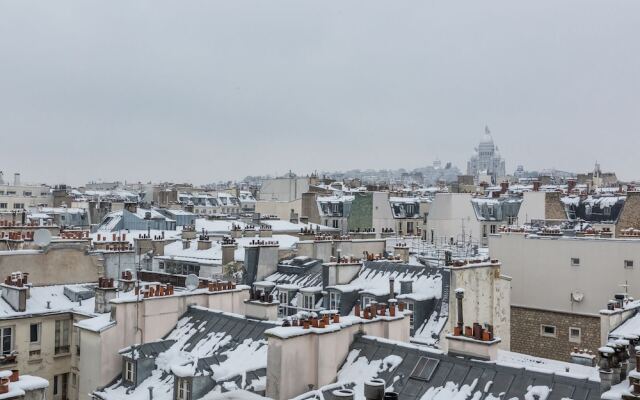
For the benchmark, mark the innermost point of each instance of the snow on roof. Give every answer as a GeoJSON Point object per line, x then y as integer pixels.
{"type": "Point", "coordinates": [630, 327]}
{"type": "Point", "coordinates": [202, 344]}
{"type": "Point", "coordinates": [58, 302]}
{"type": "Point", "coordinates": [213, 255]}
{"type": "Point", "coordinates": [374, 278]}
{"type": "Point", "coordinates": [508, 358]}
{"type": "Point", "coordinates": [26, 383]}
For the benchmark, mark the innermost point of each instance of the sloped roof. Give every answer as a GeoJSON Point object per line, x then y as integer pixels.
{"type": "Point", "coordinates": [204, 342]}
{"type": "Point", "coordinates": [446, 377]}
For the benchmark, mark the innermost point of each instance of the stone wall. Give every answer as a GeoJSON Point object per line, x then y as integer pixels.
{"type": "Point", "coordinates": [630, 215]}
{"type": "Point", "coordinates": [361, 215]}
{"type": "Point", "coordinates": [58, 263]}
{"type": "Point", "coordinates": [526, 334]}
{"type": "Point", "coordinates": [554, 209]}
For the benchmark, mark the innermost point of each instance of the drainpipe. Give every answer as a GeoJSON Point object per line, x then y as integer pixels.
{"type": "Point", "coordinates": [459, 297]}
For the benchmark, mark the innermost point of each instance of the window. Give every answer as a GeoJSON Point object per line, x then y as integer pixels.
{"type": "Point", "coordinates": [575, 334]}
{"type": "Point", "coordinates": [335, 223]}
{"type": "Point", "coordinates": [184, 389]}
{"type": "Point", "coordinates": [548, 330]}
{"type": "Point", "coordinates": [484, 231]}
{"type": "Point", "coordinates": [27, 194]}
{"type": "Point", "coordinates": [60, 386]}
{"type": "Point", "coordinates": [283, 297]}
{"type": "Point", "coordinates": [410, 307]}
{"type": "Point", "coordinates": [575, 262]}
{"type": "Point", "coordinates": [34, 336]}
{"type": "Point", "coordinates": [424, 369]}
{"type": "Point", "coordinates": [334, 300]}
{"type": "Point", "coordinates": [161, 265]}
{"type": "Point", "coordinates": [129, 372]}
{"type": "Point", "coordinates": [493, 229]}
{"type": "Point", "coordinates": [18, 206]}
{"type": "Point", "coordinates": [73, 379]}
{"type": "Point", "coordinates": [308, 301]}
{"type": "Point", "coordinates": [628, 264]}
{"type": "Point", "coordinates": [62, 336]}
{"type": "Point", "coordinates": [366, 300]}
{"type": "Point", "coordinates": [7, 340]}
{"type": "Point", "coordinates": [3, 205]}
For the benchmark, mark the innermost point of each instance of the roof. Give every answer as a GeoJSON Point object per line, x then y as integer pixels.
{"type": "Point", "coordinates": [300, 271]}
{"type": "Point", "coordinates": [58, 302]}
{"type": "Point", "coordinates": [374, 279]}
{"type": "Point", "coordinates": [228, 348]}
{"type": "Point", "coordinates": [445, 377]}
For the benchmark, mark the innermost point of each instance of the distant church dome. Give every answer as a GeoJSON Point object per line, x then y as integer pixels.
{"type": "Point", "coordinates": [486, 138]}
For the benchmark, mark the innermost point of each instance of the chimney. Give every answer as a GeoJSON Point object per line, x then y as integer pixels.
{"type": "Point", "coordinates": [571, 184]}
{"type": "Point", "coordinates": [185, 244]}
{"type": "Point", "coordinates": [304, 219]}
{"type": "Point", "coordinates": [504, 186]}
{"type": "Point", "coordinates": [204, 243]}
{"type": "Point", "coordinates": [15, 292]}
{"type": "Point", "coordinates": [1, 178]}
{"type": "Point", "coordinates": [536, 186]}
{"type": "Point", "coordinates": [105, 292]}
{"type": "Point", "coordinates": [229, 247]}
{"type": "Point", "coordinates": [343, 394]}
{"type": "Point", "coordinates": [293, 217]}
{"type": "Point", "coordinates": [16, 179]}
{"type": "Point", "coordinates": [374, 389]}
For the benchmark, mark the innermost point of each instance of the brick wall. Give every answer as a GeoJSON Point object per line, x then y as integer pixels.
{"type": "Point", "coordinates": [553, 207]}
{"type": "Point", "coordinates": [526, 338]}
{"type": "Point", "coordinates": [630, 215]}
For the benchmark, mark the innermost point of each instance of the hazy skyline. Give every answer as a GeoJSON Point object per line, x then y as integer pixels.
{"type": "Point", "coordinates": [203, 91]}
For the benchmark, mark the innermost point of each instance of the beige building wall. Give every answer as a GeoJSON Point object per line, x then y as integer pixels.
{"type": "Point", "coordinates": [59, 263]}
{"type": "Point", "coordinates": [140, 322]}
{"type": "Point", "coordinates": [40, 359]}
{"type": "Point", "coordinates": [280, 208]}
{"type": "Point", "coordinates": [486, 300]}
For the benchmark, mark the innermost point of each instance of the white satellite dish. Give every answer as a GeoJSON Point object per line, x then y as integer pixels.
{"type": "Point", "coordinates": [577, 296]}
{"type": "Point", "coordinates": [191, 282]}
{"type": "Point", "coordinates": [42, 237]}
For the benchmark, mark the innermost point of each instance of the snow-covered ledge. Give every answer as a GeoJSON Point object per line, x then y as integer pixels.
{"type": "Point", "coordinates": [473, 348]}
{"type": "Point", "coordinates": [299, 357]}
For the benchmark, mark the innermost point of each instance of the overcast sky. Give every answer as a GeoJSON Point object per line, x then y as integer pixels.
{"type": "Point", "coordinates": [202, 91]}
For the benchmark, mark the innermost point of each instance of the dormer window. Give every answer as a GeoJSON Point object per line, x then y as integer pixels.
{"type": "Point", "coordinates": [366, 301]}
{"type": "Point", "coordinates": [334, 300]}
{"type": "Point", "coordinates": [308, 301]}
{"type": "Point", "coordinates": [183, 389]}
{"type": "Point", "coordinates": [129, 372]}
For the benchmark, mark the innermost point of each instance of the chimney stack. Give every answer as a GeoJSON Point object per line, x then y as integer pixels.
{"type": "Point", "coordinates": [105, 292]}
{"type": "Point", "coordinates": [504, 186]}
{"type": "Point", "coordinates": [536, 186]}
{"type": "Point", "coordinates": [16, 179]}
{"type": "Point", "coordinates": [571, 184]}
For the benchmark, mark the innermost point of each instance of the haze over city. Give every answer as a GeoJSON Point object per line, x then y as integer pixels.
{"type": "Point", "coordinates": [159, 90]}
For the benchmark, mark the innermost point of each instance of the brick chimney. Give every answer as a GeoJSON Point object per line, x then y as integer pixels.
{"type": "Point", "coordinates": [536, 186]}
{"type": "Point", "coordinates": [105, 292]}
{"type": "Point", "coordinates": [504, 187]}
{"type": "Point", "coordinates": [204, 243]}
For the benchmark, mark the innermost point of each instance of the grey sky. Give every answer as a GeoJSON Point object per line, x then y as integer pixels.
{"type": "Point", "coordinates": [209, 90]}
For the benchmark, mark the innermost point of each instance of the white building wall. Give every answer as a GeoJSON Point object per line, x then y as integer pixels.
{"type": "Point", "coordinates": [544, 278]}
{"type": "Point", "coordinates": [449, 215]}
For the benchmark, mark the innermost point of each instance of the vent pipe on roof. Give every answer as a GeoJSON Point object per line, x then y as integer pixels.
{"type": "Point", "coordinates": [150, 392]}
{"type": "Point", "coordinates": [374, 389]}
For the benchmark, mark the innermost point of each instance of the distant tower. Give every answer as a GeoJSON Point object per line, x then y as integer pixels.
{"type": "Point", "coordinates": [486, 160]}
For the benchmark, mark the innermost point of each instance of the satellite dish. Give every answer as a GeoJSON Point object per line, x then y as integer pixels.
{"type": "Point", "coordinates": [577, 296]}
{"type": "Point", "coordinates": [191, 282]}
{"type": "Point", "coordinates": [42, 237]}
